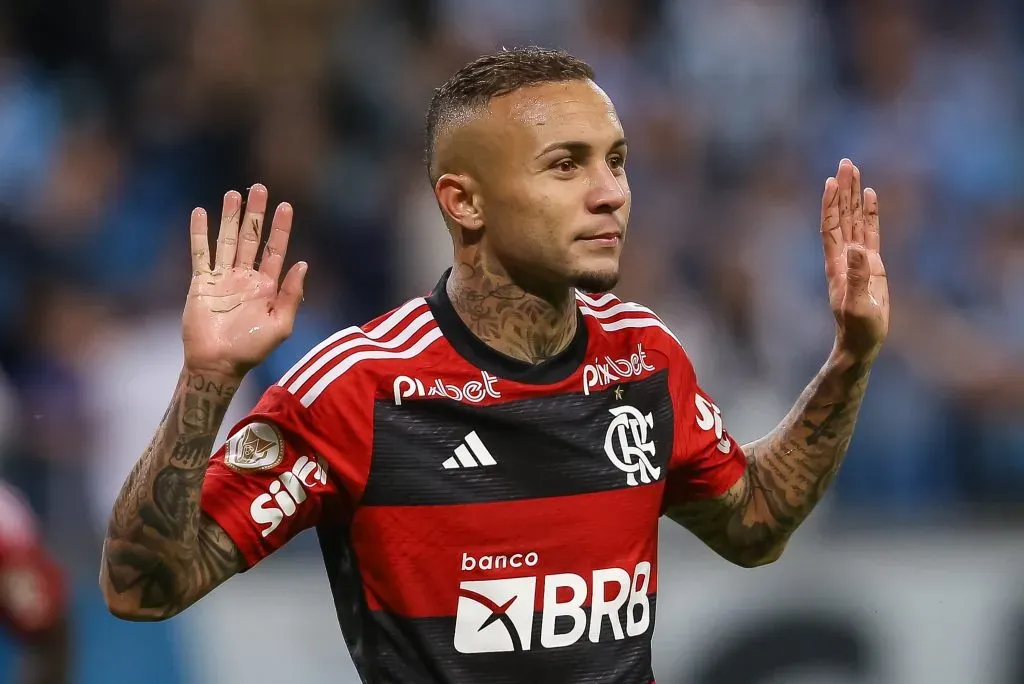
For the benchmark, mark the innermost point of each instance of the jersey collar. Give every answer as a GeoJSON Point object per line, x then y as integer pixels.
{"type": "Point", "coordinates": [485, 357]}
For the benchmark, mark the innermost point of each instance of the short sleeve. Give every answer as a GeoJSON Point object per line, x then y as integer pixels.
{"type": "Point", "coordinates": [283, 468]}
{"type": "Point", "coordinates": [706, 461]}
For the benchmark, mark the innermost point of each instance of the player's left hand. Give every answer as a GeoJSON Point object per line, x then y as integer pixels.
{"type": "Point", "coordinates": [858, 290]}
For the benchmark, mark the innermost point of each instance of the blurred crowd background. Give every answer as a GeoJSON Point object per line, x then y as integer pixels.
{"type": "Point", "coordinates": [118, 116]}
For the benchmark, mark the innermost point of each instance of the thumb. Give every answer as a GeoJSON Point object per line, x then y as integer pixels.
{"type": "Point", "coordinates": [857, 271]}
{"type": "Point", "coordinates": [290, 296]}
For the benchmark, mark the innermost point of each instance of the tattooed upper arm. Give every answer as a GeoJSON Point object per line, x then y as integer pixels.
{"type": "Point", "coordinates": [738, 524]}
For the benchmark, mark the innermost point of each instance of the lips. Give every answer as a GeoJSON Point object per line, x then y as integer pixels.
{"type": "Point", "coordinates": [604, 235]}
{"type": "Point", "coordinates": [608, 238]}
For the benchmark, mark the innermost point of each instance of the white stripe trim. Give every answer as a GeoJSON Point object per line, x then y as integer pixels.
{"type": "Point", "coordinates": [395, 342]}
{"type": "Point", "coordinates": [625, 307]}
{"type": "Point", "coordinates": [383, 328]}
{"type": "Point", "coordinates": [309, 397]}
{"type": "Point", "coordinates": [600, 301]}
{"type": "Point", "coordinates": [640, 323]}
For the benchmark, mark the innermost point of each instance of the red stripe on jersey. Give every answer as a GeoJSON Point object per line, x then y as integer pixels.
{"type": "Point", "coordinates": [412, 558]}
{"type": "Point", "coordinates": [441, 373]}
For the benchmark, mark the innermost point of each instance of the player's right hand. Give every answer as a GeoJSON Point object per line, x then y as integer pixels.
{"type": "Point", "coordinates": [236, 314]}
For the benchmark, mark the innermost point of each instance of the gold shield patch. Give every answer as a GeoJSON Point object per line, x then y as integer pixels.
{"type": "Point", "coordinates": [257, 446]}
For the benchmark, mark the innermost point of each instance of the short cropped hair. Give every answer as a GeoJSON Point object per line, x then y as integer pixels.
{"type": "Point", "coordinates": [493, 75]}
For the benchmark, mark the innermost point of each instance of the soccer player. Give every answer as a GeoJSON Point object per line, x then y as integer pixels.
{"type": "Point", "coordinates": [485, 466]}
{"type": "Point", "coordinates": [32, 595]}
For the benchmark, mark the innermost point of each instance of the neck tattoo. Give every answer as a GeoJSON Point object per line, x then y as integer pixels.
{"type": "Point", "coordinates": [508, 318]}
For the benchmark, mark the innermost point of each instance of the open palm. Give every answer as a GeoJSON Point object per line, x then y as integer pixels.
{"type": "Point", "coordinates": [235, 314]}
{"type": "Point", "coordinates": [858, 289]}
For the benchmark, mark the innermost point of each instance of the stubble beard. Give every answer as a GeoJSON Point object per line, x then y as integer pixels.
{"type": "Point", "coordinates": [595, 282]}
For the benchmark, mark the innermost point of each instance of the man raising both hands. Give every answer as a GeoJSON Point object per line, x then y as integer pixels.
{"type": "Point", "coordinates": [485, 466]}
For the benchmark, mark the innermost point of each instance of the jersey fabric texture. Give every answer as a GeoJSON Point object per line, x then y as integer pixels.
{"type": "Point", "coordinates": [481, 519]}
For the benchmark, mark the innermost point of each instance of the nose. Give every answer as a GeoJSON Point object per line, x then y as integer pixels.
{"type": "Point", "coordinates": [608, 192]}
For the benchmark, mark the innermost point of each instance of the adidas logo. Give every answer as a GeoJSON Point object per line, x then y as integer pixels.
{"type": "Point", "coordinates": [470, 454]}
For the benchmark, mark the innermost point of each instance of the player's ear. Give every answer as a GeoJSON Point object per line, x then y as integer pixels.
{"type": "Point", "coordinates": [459, 198]}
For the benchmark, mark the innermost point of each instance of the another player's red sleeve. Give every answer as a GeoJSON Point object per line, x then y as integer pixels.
{"type": "Point", "coordinates": [32, 594]}
{"type": "Point", "coordinates": [283, 469]}
{"type": "Point", "coordinates": [706, 461]}
{"type": "Point", "coordinates": [32, 590]}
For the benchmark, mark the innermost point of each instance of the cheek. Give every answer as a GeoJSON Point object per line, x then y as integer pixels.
{"type": "Point", "coordinates": [557, 217]}
{"type": "Point", "coordinates": [518, 225]}
{"type": "Point", "coordinates": [538, 214]}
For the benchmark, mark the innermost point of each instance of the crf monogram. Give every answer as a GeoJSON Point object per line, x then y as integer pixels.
{"type": "Point", "coordinates": [627, 446]}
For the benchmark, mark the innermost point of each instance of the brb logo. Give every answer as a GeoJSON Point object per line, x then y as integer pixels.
{"type": "Point", "coordinates": [287, 492]}
{"type": "Point", "coordinates": [498, 615]}
{"type": "Point", "coordinates": [473, 391]}
{"type": "Point", "coordinates": [597, 375]}
{"type": "Point", "coordinates": [628, 447]}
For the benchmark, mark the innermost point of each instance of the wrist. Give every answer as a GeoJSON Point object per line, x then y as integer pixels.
{"type": "Point", "coordinates": [220, 382]}
{"type": "Point", "coordinates": [843, 358]}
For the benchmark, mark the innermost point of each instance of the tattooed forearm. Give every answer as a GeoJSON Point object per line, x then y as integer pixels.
{"type": "Point", "coordinates": [160, 554]}
{"type": "Point", "coordinates": [507, 317]}
{"type": "Point", "coordinates": [788, 471]}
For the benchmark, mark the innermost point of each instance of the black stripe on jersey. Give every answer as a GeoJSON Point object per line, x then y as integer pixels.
{"type": "Point", "coordinates": [354, 615]}
{"type": "Point", "coordinates": [422, 651]}
{"type": "Point", "coordinates": [548, 446]}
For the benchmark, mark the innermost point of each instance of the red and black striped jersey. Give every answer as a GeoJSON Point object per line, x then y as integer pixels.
{"type": "Point", "coordinates": [481, 519]}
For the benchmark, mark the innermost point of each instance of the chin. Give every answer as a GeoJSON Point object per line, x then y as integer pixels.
{"type": "Point", "coordinates": [596, 282]}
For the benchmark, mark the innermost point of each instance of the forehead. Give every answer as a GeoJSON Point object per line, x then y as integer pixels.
{"type": "Point", "coordinates": [573, 110]}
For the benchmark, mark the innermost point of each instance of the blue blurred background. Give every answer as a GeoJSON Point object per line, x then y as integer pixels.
{"type": "Point", "coordinates": [118, 116]}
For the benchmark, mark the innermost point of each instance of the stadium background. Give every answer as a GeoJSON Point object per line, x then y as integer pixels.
{"type": "Point", "coordinates": [118, 116]}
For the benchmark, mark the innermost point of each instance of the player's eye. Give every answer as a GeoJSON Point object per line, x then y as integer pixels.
{"type": "Point", "coordinates": [616, 162]}
{"type": "Point", "coordinates": [565, 165]}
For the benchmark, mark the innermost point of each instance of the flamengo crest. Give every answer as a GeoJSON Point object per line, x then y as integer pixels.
{"type": "Point", "coordinates": [629, 447]}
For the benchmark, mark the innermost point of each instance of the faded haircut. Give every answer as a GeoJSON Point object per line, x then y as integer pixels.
{"type": "Point", "coordinates": [489, 76]}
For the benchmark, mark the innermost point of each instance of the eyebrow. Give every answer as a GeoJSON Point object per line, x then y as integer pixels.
{"type": "Point", "coordinates": [577, 147]}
